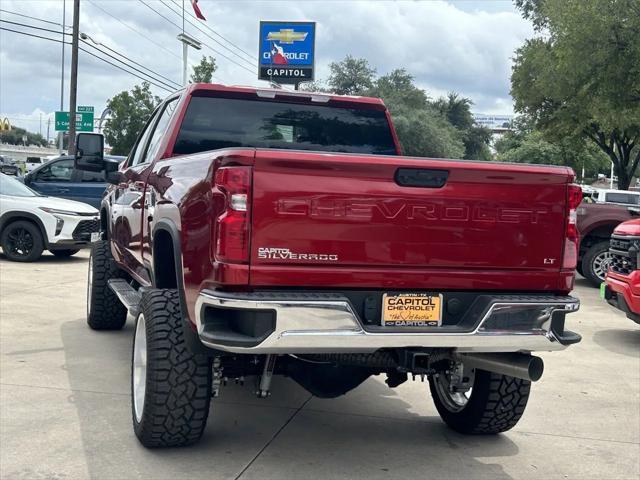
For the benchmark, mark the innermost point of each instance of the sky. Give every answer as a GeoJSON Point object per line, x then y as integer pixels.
{"type": "Point", "coordinates": [464, 46]}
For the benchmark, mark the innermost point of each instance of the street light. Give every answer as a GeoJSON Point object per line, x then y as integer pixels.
{"type": "Point", "coordinates": [187, 41]}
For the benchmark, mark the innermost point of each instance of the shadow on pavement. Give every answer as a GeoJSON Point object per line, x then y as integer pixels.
{"type": "Point", "coordinates": [317, 442]}
{"type": "Point", "coordinates": [583, 282]}
{"type": "Point", "coordinates": [49, 258]}
{"type": "Point", "coordinates": [625, 342]}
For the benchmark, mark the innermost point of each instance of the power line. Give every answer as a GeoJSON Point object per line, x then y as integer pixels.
{"type": "Point", "coordinates": [203, 43]}
{"type": "Point", "coordinates": [216, 41]}
{"type": "Point", "coordinates": [131, 61]}
{"type": "Point", "coordinates": [19, 14]}
{"type": "Point", "coordinates": [93, 55]}
{"type": "Point", "coordinates": [34, 35]}
{"type": "Point", "coordinates": [33, 26]}
{"type": "Point", "coordinates": [134, 30]}
{"type": "Point", "coordinates": [127, 71]}
{"type": "Point", "coordinates": [157, 12]}
{"type": "Point", "coordinates": [217, 34]}
{"type": "Point", "coordinates": [171, 83]}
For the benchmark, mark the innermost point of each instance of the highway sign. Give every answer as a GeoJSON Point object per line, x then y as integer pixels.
{"type": "Point", "coordinates": [287, 51]}
{"type": "Point", "coordinates": [84, 120]}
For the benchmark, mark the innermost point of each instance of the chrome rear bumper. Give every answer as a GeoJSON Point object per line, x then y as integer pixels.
{"type": "Point", "coordinates": [327, 323]}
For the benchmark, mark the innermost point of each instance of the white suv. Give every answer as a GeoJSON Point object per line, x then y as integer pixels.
{"type": "Point", "coordinates": [31, 223]}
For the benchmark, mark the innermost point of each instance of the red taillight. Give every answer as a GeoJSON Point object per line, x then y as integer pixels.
{"type": "Point", "coordinates": [232, 226]}
{"type": "Point", "coordinates": [572, 236]}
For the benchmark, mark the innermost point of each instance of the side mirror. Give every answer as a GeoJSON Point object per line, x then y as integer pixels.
{"type": "Point", "coordinates": [112, 173]}
{"type": "Point", "coordinates": [89, 152]}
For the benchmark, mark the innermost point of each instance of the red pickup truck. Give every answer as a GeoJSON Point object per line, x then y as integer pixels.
{"type": "Point", "coordinates": [269, 232]}
{"type": "Point", "coordinates": [622, 286]}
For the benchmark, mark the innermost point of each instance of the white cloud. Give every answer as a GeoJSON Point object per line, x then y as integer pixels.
{"type": "Point", "coordinates": [461, 46]}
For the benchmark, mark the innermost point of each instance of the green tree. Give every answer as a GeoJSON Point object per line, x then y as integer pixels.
{"type": "Point", "coordinates": [527, 145]}
{"type": "Point", "coordinates": [424, 133]}
{"type": "Point", "coordinates": [14, 137]}
{"type": "Point", "coordinates": [203, 72]}
{"type": "Point", "coordinates": [129, 113]}
{"type": "Point", "coordinates": [422, 130]}
{"type": "Point", "coordinates": [580, 77]}
{"type": "Point", "coordinates": [351, 76]}
{"type": "Point", "coordinates": [397, 89]}
{"type": "Point", "coordinates": [457, 111]}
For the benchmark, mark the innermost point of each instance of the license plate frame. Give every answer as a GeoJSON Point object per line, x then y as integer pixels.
{"type": "Point", "coordinates": [411, 310]}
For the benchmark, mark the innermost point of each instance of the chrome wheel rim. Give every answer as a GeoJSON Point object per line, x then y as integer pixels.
{"type": "Point", "coordinates": [601, 264]}
{"type": "Point", "coordinates": [139, 367]}
{"type": "Point", "coordinates": [89, 285]}
{"type": "Point", "coordinates": [453, 401]}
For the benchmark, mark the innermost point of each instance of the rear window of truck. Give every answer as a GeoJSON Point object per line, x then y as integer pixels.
{"type": "Point", "coordinates": [212, 123]}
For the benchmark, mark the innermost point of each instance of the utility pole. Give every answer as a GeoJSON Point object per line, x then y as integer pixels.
{"type": "Point", "coordinates": [48, 126]}
{"type": "Point", "coordinates": [40, 132]}
{"type": "Point", "coordinates": [73, 88]}
{"type": "Point", "coordinates": [64, 26]}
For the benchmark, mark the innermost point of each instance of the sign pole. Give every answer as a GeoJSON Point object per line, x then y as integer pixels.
{"type": "Point", "coordinates": [73, 91]}
{"type": "Point", "coordinates": [64, 26]}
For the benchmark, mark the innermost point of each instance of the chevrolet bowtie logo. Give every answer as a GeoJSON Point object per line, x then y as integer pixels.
{"type": "Point", "coordinates": [287, 36]}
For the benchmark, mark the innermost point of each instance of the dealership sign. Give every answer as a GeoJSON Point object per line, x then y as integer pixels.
{"type": "Point", "coordinates": [287, 51]}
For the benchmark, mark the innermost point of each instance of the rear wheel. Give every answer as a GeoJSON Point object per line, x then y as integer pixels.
{"type": "Point", "coordinates": [170, 386]}
{"type": "Point", "coordinates": [65, 253]}
{"type": "Point", "coordinates": [494, 403]}
{"type": "Point", "coordinates": [104, 310]}
{"type": "Point", "coordinates": [22, 241]}
{"type": "Point", "coordinates": [595, 263]}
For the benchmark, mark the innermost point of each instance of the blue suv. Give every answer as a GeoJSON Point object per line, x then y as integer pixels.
{"type": "Point", "coordinates": [59, 178]}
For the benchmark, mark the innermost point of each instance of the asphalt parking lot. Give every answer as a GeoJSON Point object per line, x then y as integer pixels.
{"type": "Point", "coordinates": [65, 408]}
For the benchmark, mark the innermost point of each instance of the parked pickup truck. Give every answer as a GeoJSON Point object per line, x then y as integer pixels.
{"type": "Point", "coordinates": [596, 222]}
{"type": "Point", "coordinates": [622, 287]}
{"type": "Point", "coordinates": [270, 232]}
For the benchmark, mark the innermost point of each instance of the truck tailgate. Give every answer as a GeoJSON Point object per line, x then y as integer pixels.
{"type": "Point", "coordinates": [319, 212]}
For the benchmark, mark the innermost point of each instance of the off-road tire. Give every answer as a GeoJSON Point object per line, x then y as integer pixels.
{"type": "Point", "coordinates": [65, 253]}
{"type": "Point", "coordinates": [178, 383]}
{"type": "Point", "coordinates": [588, 259]}
{"type": "Point", "coordinates": [104, 309]}
{"type": "Point", "coordinates": [496, 404]}
{"type": "Point", "coordinates": [32, 230]}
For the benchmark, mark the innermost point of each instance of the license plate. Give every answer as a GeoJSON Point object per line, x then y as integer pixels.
{"type": "Point", "coordinates": [411, 310]}
{"type": "Point", "coordinates": [95, 236]}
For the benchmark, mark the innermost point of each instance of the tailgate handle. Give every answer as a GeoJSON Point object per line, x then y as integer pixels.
{"type": "Point", "coordinates": [421, 177]}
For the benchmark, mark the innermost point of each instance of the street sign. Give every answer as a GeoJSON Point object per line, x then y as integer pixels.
{"type": "Point", "coordinates": [287, 51]}
{"type": "Point", "coordinates": [84, 120]}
